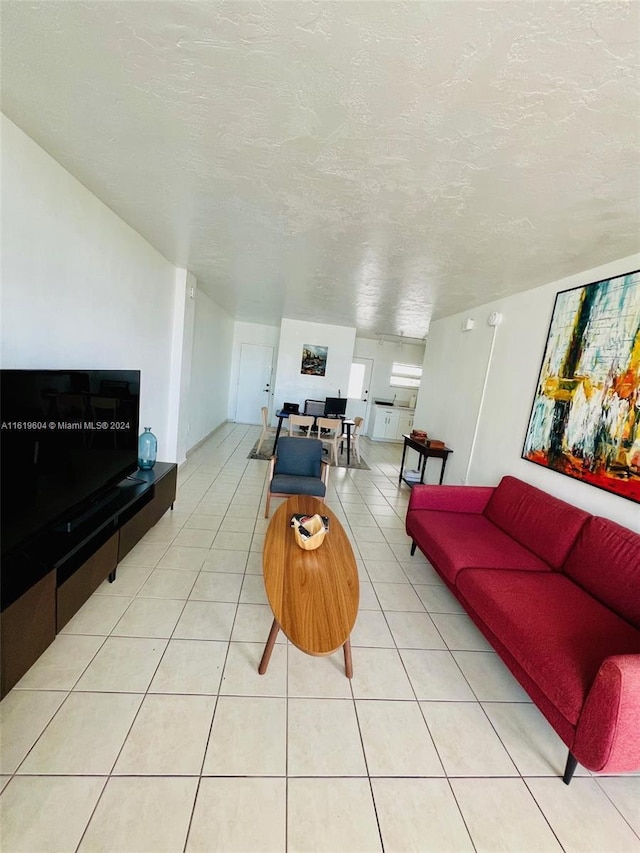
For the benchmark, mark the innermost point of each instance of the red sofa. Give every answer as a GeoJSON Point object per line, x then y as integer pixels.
{"type": "Point", "coordinates": [556, 592]}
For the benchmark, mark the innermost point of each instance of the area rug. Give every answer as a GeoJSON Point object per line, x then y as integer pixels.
{"type": "Point", "coordinates": [266, 452]}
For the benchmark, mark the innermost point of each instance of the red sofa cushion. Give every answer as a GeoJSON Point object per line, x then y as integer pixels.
{"type": "Point", "coordinates": [543, 524]}
{"type": "Point", "coordinates": [605, 561]}
{"type": "Point", "coordinates": [459, 540]}
{"type": "Point", "coordinates": [557, 632]}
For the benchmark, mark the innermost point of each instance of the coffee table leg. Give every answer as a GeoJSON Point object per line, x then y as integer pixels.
{"type": "Point", "coordinates": [348, 664]}
{"type": "Point", "coordinates": [266, 655]}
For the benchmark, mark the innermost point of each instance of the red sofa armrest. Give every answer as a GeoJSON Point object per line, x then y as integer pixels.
{"type": "Point", "coordinates": [450, 498]}
{"type": "Point", "coordinates": [608, 732]}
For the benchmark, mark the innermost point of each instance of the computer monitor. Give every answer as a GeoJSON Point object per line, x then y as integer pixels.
{"type": "Point", "coordinates": [335, 406]}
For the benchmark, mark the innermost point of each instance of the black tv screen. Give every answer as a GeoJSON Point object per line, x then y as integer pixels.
{"type": "Point", "coordinates": [335, 406]}
{"type": "Point", "coordinates": [67, 436]}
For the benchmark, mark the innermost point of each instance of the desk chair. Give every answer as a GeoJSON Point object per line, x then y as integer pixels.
{"type": "Point", "coordinates": [330, 432]}
{"type": "Point", "coordinates": [266, 429]}
{"type": "Point", "coordinates": [297, 469]}
{"type": "Point", "coordinates": [355, 437]}
{"type": "Point", "coordinates": [314, 407]}
{"type": "Point", "coordinates": [304, 422]}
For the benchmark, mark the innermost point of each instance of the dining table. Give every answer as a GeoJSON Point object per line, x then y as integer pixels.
{"type": "Point", "coordinates": [347, 425]}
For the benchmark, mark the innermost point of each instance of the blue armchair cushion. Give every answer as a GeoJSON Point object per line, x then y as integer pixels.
{"type": "Point", "coordinates": [300, 457]}
{"type": "Point", "coordinates": [286, 484]}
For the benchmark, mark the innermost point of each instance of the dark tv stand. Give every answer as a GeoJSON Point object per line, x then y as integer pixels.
{"type": "Point", "coordinates": [45, 584]}
{"type": "Point", "coordinates": [71, 524]}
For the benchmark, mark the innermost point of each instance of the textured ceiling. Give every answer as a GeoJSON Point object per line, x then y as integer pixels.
{"type": "Point", "coordinates": [363, 163]}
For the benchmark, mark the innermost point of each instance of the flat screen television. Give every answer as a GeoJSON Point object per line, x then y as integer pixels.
{"type": "Point", "coordinates": [335, 406]}
{"type": "Point", "coordinates": [68, 436]}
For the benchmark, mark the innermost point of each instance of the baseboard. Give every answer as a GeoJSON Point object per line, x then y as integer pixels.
{"type": "Point", "coordinates": [206, 438]}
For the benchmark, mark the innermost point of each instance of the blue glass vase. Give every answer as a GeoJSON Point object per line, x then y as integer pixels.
{"type": "Point", "coordinates": [147, 450]}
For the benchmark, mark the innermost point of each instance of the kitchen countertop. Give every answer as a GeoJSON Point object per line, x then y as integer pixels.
{"type": "Point", "coordinates": [394, 405]}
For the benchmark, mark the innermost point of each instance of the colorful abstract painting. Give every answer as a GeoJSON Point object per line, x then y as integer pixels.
{"type": "Point", "coordinates": [314, 360]}
{"type": "Point", "coordinates": [585, 419]}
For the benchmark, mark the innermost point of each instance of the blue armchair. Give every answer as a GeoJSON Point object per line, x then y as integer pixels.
{"type": "Point", "coordinates": [297, 469]}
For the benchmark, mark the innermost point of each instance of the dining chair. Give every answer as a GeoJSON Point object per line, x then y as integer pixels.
{"type": "Point", "coordinates": [304, 422]}
{"type": "Point", "coordinates": [330, 432]}
{"type": "Point", "coordinates": [297, 469]}
{"type": "Point", "coordinates": [355, 437]}
{"type": "Point", "coordinates": [266, 429]}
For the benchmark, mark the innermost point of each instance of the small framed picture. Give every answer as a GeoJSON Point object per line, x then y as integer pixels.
{"type": "Point", "coordinates": [314, 360]}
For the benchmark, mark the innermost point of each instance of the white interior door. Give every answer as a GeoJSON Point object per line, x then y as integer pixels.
{"type": "Point", "coordinates": [358, 393]}
{"type": "Point", "coordinates": [254, 382]}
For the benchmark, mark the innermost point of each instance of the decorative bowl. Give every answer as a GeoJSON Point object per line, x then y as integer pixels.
{"type": "Point", "coordinates": [316, 529]}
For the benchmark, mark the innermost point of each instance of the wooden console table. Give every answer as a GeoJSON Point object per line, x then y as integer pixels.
{"type": "Point", "coordinates": [425, 452]}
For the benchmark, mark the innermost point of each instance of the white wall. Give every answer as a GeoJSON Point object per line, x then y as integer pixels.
{"type": "Point", "coordinates": [184, 325]}
{"type": "Point", "coordinates": [210, 368]}
{"type": "Point", "coordinates": [250, 333]}
{"type": "Point", "coordinates": [384, 355]}
{"type": "Point", "coordinates": [80, 288]}
{"type": "Point", "coordinates": [454, 369]}
{"type": "Point", "coordinates": [295, 387]}
{"type": "Point", "coordinates": [451, 387]}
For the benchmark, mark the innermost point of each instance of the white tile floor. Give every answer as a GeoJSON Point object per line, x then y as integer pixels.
{"type": "Point", "coordinates": [146, 727]}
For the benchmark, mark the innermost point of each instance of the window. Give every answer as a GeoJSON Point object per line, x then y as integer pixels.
{"type": "Point", "coordinates": [405, 375]}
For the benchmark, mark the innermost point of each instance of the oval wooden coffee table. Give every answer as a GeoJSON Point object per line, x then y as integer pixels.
{"type": "Point", "coordinates": [314, 595]}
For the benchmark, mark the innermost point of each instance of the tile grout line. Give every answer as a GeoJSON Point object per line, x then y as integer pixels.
{"type": "Point", "coordinates": [207, 460]}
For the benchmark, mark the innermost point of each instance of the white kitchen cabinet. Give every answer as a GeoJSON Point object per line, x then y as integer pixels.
{"type": "Point", "coordinates": [405, 423]}
{"type": "Point", "coordinates": [384, 425]}
{"type": "Point", "coordinates": [390, 424]}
